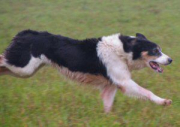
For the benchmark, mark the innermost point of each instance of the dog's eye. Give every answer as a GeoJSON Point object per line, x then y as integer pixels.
{"type": "Point", "coordinates": [156, 50]}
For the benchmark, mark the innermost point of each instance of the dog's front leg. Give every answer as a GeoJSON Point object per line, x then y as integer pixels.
{"type": "Point", "coordinates": [130, 88]}
{"type": "Point", "coordinates": [107, 95]}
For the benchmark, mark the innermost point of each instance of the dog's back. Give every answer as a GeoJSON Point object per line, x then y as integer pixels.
{"type": "Point", "coordinates": [30, 47]}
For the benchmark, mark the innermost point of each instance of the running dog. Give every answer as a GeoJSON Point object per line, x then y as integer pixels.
{"type": "Point", "coordinates": [104, 62]}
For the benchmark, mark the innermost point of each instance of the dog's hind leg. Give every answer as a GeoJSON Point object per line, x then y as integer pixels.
{"type": "Point", "coordinates": [2, 61]}
{"type": "Point", "coordinates": [107, 95]}
{"type": "Point", "coordinates": [4, 71]}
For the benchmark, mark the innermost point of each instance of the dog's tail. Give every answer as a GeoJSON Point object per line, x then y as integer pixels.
{"type": "Point", "coordinates": [18, 59]}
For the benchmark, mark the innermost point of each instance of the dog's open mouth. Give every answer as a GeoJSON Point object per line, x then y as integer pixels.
{"type": "Point", "coordinates": [155, 66]}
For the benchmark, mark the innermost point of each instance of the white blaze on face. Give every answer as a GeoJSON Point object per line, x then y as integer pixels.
{"type": "Point", "coordinates": [163, 59]}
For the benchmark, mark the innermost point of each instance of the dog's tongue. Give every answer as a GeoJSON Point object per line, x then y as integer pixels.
{"type": "Point", "coordinates": [156, 67]}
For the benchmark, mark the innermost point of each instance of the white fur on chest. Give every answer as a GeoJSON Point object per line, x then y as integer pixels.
{"type": "Point", "coordinates": [110, 51]}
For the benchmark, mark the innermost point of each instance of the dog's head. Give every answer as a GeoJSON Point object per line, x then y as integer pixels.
{"type": "Point", "coordinates": [145, 50]}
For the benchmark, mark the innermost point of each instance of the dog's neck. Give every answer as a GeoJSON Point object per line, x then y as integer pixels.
{"type": "Point", "coordinates": [134, 64]}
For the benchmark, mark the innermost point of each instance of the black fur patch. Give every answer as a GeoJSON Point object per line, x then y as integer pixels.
{"type": "Point", "coordinates": [138, 45]}
{"type": "Point", "coordinates": [76, 55]}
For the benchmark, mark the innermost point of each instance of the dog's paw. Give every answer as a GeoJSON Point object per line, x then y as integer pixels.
{"type": "Point", "coordinates": [167, 102]}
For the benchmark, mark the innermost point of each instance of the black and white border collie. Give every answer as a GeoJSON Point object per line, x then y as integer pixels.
{"type": "Point", "coordinates": [105, 62]}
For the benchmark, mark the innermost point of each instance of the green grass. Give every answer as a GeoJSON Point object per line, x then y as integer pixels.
{"type": "Point", "coordinates": [48, 99]}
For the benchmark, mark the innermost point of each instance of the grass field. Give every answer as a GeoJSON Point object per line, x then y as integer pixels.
{"type": "Point", "coordinates": [48, 99]}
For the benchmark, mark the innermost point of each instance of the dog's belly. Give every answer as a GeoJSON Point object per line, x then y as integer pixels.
{"type": "Point", "coordinates": [85, 78]}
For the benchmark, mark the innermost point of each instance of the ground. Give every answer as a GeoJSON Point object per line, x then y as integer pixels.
{"type": "Point", "coordinates": [48, 99]}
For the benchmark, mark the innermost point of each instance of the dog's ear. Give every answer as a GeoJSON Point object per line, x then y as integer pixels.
{"type": "Point", "coordinates": [128, 42]}
{"type": "Point", "coordinates": [140, 36]}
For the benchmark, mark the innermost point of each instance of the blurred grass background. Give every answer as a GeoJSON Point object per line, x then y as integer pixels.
{"type": "Point", "coordinates": [48, 99]}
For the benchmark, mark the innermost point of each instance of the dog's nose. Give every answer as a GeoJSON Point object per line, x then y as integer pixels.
{"type": "Point", "coordinates": [170, 60]}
